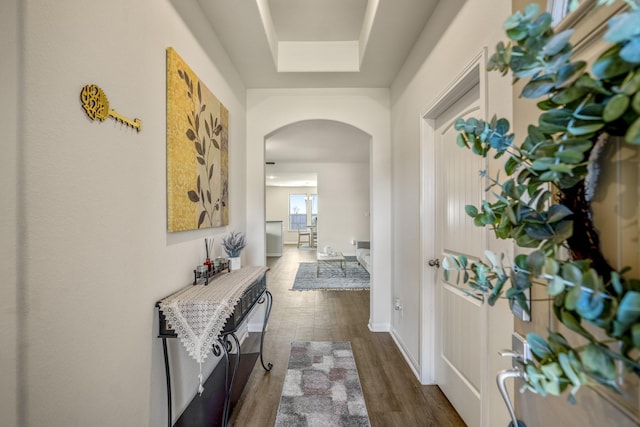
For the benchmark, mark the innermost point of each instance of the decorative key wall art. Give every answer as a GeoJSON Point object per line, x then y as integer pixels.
{"type": "Point", "coordinates": [197, 151]}
{"type": "Point", "coordinates": [96, 105]}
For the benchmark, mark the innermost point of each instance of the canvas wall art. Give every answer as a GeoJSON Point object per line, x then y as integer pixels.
{"type": "Point", "coordinates": [197, 151]}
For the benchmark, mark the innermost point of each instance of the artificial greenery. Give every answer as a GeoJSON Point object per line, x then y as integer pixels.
{"type": "Point", "coordinates": [234, 243]}
{"type": "Point", "coordinates": [544, 202]}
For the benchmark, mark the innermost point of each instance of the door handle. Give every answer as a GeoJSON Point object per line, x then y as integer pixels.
{"type": "Point", "coordinates": [500, 379]}
{"type": "Point", "coordinates": [435, 262]}
{"type": "Point", "coordinates": [506, 374]}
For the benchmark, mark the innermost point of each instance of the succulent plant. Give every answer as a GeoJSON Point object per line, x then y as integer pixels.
{"type": "Point", "coordinates": [234, 243]}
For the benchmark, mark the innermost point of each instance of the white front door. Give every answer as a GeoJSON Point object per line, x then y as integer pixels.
{"type": "Point", "coordinates": [460, 318]}
{"type": "Point", "coordinates": [461, 335]}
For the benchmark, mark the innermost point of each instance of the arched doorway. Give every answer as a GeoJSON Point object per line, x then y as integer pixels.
{"type": "Point", "coordinates": [365, 109]}
{"type": "Point", "coordinates": [324, 161]}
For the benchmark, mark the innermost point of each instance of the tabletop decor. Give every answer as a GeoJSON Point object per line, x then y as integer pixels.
{"type": "Point", "coordinates": [233, 244]}
{"type": "Point", "coordinates": [197, 151]}
{"type": "Point", "coordinates": [544, 203]}
{"type": "Point", "coordinates": [199, 313]}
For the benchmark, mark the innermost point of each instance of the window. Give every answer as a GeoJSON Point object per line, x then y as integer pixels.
{"type": "Point", "coordinates": [297, 212]}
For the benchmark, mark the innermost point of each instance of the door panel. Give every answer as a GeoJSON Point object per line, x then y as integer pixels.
{"type": "Point", "coordinates": [461, 183]}
{"type": "Point", "coordinates": [460, 346]}
{"type": "Point", "coordinates": [459, 370]}
{"type": "Point", "coordinates": [460, 334]}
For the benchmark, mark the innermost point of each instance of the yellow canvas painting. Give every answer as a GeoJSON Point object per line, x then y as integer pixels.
{"type": "Point", "coordinates": [197, 151]}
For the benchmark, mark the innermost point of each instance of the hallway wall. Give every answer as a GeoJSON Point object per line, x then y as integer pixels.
{"type": "Point", "coordinates": [9, 82]}
{"type": "Point", "coordinates": [456, 32]}
{"type": "Point", "coordinates": [94, 253]}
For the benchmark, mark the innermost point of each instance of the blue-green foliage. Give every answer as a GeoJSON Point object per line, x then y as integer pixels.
{"type": "Point", "coordinates": [578, 102]}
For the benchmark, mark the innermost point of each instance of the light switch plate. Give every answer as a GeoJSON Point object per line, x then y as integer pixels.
{"type": "Point", "coordinates": [519, 312]}
{"type": "Point", "coordinates": [520, 345]}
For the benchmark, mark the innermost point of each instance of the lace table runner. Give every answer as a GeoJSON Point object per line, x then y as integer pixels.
{"type": "Point", "coordinates": [198, 313]}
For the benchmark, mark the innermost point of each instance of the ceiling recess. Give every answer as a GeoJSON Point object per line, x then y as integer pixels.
{"type": "Point", "coordinates": [309, 47]}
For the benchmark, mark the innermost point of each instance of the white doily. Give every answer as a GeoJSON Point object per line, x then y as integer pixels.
{"type": "Point", "coordinates": [198, 313]}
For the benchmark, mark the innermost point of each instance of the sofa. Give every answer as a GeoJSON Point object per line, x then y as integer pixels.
{"type": "Point", "coordinates": [363, 254]}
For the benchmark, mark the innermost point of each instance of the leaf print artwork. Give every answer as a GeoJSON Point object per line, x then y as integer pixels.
{"type": "Point", "coordinates": [197, 151]}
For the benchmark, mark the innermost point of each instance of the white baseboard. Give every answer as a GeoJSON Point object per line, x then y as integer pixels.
{"type": "Point", "coordinates": [410, 361]}
{"type": "Point", "coordinates": [257, 327]}
{"type": "Point", "coordinates": [242, 332]}
{"type": "Point", "coordinates": [379, 327]}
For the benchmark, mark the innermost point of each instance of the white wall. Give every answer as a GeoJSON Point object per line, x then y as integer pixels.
{"type": "Point", "coordinates": [454, 35]}
{"type": "Point", "coordinates": [343, 204]}
{"type": "Point", "coordinates": [95, 253]}
{"type": "Point", "coordinates": [9, 83]}
{"type": "Point", "coordinates": [367, 109]}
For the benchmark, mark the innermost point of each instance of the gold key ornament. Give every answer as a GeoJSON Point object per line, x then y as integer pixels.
{"type": "Point", "coordinates": [96, 104]}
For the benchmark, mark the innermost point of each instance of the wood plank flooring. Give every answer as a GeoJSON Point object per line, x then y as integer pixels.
{"type": "Point", "coordinates": [393, 395]}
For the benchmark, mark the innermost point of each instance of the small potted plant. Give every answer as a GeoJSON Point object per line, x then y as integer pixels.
{"type": "Point", "coordinates": [233, 244]}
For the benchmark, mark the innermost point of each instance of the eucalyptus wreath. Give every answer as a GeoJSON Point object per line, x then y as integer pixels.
{"type": "Point", "coordinates": [544, 201]}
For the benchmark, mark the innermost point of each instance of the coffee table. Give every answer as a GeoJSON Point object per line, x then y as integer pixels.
{"type": "Point", "coordinates": [330, 259]}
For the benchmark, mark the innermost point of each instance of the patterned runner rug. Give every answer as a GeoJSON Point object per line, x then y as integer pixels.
{"type": "Point", "coordinates": [321, 387]}
{"type": "Point", "coordinates": [331, 277]}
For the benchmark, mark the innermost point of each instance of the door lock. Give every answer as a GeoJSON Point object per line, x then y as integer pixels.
{"type": "Point", "coordinates": [434, 262]}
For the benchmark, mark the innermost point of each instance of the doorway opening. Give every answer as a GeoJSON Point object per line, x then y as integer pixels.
{"type": "Point", "coordinates": [317, 182]}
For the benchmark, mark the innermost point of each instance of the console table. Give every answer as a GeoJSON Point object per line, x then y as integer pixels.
{"type": "Point", "coordinates": [206, 318]}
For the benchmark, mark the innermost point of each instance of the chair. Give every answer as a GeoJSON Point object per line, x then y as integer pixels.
{"type": "Point", "coordinates": [314, 233]}
{"type": "Point", "coordinates": [304, 233]}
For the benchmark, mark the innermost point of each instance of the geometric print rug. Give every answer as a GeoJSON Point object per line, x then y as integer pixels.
{"type": "Point", "coordinates": [321, 387]}
{"type": "Point", "coordinates": [331, 278]}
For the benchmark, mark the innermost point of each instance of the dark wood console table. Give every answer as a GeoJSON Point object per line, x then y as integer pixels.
{"type": "Point", "coordinates": [232, 296]}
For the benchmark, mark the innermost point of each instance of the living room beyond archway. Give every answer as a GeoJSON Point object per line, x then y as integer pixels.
{"type": "Point", "coordinates": [327, 163]}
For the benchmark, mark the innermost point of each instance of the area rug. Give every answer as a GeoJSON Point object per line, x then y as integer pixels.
{"type": "Point", "coordinates": [331, 278]}
{"type": "Point", "coordinates": [321, 387]}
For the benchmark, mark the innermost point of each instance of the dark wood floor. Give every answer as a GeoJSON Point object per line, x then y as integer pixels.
{"type": "Point", "coordinates": [393, 395]}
